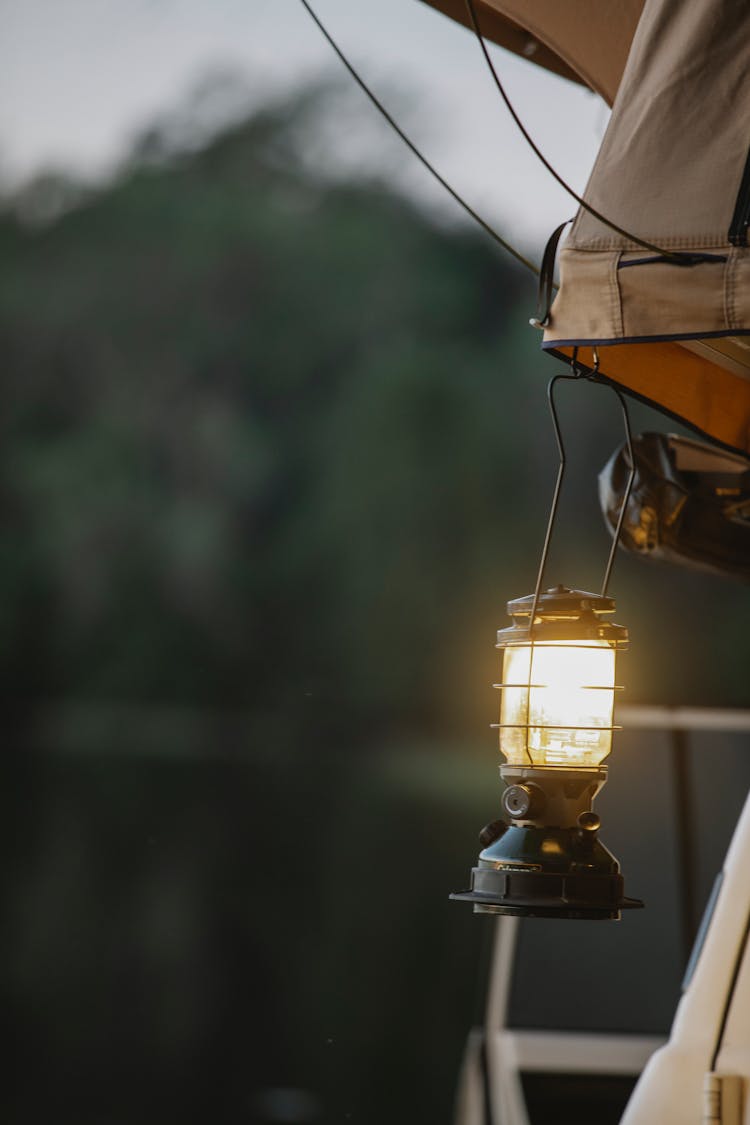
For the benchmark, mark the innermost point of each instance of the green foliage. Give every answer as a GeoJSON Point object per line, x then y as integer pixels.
{"type": "Point", "coordinates": [270, 438]}
{"type": "Point", "coordinates": [250, 433]}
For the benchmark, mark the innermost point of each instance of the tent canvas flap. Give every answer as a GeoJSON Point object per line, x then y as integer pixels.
{"type": "Point", "coordinates": [671, 169]}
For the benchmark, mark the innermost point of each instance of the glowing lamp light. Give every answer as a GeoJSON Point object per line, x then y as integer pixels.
{"type": "Point", "coordinates": [544, 856]}
{"type": "Point", "coordinates": [559, 680]}
{"type": "Point", "coordinates": [557, 708]}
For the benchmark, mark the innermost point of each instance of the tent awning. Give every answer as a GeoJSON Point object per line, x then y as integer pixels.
{"type": "Point", "coordinates": [584, 40]}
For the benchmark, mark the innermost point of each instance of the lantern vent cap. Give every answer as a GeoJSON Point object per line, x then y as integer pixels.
{"type": "Point", "coordinates": [562, 614]}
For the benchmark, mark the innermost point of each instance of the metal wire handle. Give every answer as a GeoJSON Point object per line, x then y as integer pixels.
{"type": "Point", "coordinates": [578, 373]}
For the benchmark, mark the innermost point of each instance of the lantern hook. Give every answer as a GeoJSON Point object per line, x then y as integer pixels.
{"type": "Point", "coordinates": [592, 374]}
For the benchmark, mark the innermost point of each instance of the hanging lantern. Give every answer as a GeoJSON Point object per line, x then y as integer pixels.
{"type": "Point", "coordinates": [556, 722]}
{"type": "Point", "coordinates": [544, 857]}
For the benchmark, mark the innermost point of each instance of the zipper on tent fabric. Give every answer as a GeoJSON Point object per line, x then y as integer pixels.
{"type": "Point", "coordinates": [693, 260]}
{"type": "Point", "coordinates": [741, 216]}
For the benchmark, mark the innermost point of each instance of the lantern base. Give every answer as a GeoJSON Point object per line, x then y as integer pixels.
{"type": "Point", "coordinates": [547, 872]}
{"type": "Point", "coordinates": [536, 895]}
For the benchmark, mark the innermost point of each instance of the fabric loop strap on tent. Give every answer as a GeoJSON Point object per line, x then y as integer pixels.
{"type": "Point", "coordinates": [546, 278]}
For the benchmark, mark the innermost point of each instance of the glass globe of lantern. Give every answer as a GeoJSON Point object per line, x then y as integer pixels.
{"type": "Point", "coordinates": [558, 684]}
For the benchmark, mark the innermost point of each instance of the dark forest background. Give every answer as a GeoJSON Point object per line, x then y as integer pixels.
{"type": "Point", "coordinates": [274, 454]}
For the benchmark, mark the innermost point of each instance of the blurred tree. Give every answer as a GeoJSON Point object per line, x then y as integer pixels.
{"type": "Point", "coordinates": [253, 429]}
{"type": "Point", "coordinates": [267, 438]}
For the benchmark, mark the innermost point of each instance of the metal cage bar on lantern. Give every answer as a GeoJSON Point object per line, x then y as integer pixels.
{"type": "Point", "coordinates": [558, 686]}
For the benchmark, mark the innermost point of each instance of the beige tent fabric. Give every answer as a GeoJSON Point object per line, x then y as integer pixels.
{"type": "Point", "coordinates": [586, 40]}
{"type": "Point", "coordinates": [673, 155]}
{"type": "Point", "coordinates": [670, 169]}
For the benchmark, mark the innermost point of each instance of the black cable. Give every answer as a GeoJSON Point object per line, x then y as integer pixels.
{"type": "Point", "coordinates": [410, 145]}
{"type": "Point", "coordinates": [680, 259]}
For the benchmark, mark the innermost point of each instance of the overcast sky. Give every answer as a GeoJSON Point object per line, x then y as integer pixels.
{"type": "Point", "coordinates": [80, 78]}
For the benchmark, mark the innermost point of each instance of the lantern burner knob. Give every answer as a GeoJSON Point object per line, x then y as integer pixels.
{"type": "Point", "coordinates": [523, 802]}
